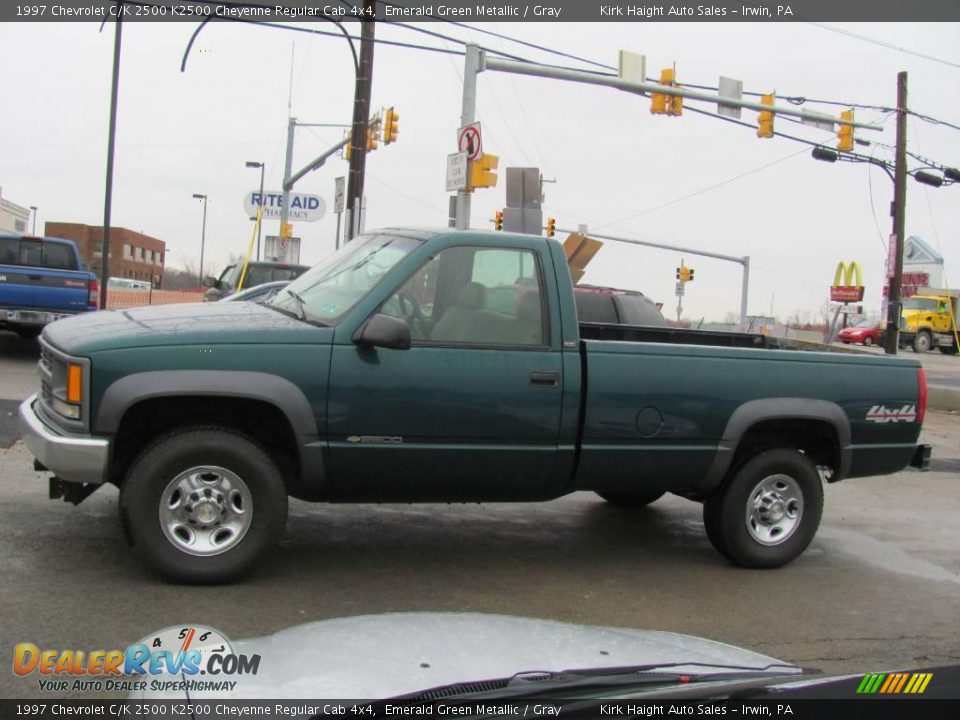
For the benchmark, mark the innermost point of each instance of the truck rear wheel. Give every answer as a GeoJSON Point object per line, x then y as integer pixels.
{"type": "Point", "coordinates": [768, 511]}
{"type": "Point", "coordinates": [202, 505]}
{"type": "Point", "coordinates": [922, 342]}
{"type": "Point", "coordinates": [632, 499]}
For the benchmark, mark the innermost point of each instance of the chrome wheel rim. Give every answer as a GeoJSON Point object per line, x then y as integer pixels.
{"type": "Point", "coordinates": [774, 509]}
{"type": "Point", "coordinates": [206, 510]}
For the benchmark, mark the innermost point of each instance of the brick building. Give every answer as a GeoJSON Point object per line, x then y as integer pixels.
{"type": "Point", "coordinates": [132, 254]}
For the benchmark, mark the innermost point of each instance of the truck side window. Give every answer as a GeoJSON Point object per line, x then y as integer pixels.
{"type": "Point", "coordinates": [477, 296]}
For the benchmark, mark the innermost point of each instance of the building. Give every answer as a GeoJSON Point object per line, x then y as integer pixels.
{"type": "Point", "coordinates": [132, 254]}
{"type": "Point", "coordinates": [13, 217]}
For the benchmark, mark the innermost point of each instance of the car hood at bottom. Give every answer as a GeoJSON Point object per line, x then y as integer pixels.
{"type": "Point", "coordinates": [391, 655]}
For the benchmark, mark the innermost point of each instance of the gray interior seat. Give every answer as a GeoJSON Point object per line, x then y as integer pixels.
{"type": "Point", "coordinates": [453, 325]}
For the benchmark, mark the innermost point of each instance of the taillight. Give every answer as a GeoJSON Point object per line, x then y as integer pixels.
{"type": "Point", "coordinates": [94, 301]}
{"type": "Point", "coordinates": [922, 400]}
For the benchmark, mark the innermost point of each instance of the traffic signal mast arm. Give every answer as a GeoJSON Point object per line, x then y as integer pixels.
{"type": "Point", "coordinates": [645, 88]}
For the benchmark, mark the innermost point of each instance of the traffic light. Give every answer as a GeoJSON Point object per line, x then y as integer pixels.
{"type": "Point", "coordinates": [679, 272]}
{"type": "Point", "coordinates": [662, 104]}
{"type": "Point", "coordinates": [765, 129]}
{"type": "Point", "coordinates": [373, 135]}
{"type": "Point", "coordinates": [286, 230]}
{"type": "Point", "coordinates": [689, 274]}
{"type": "Point", "coordinates": [498, 220]}
{"type": "Point", "coordinates": [551, 227]}
{"type": "Point", "coordinates": [346, 148]}
{"type": "Point", "coordinates": [391, 126]}
{"type": "Point", "coordinates": [845, 132]}
{"type": "Point", "coordinates": [684, 274]}
{"type": "Point", "coordinates": [481, 172]}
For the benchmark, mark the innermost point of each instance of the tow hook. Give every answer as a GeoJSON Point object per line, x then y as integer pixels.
{"type": "Point", "coordinates": [74, 493]}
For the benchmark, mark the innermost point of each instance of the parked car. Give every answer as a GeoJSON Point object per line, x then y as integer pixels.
{"type": "Point", "coordinates": [865, 333]}
{"type": "Point", "coordinates": [116, 283]}
{"type": "Point", "coordinates": [42, 279]}
{"type": "Point", "coordinates": [258, 273]}
{"type": "Point", "coordinates": [618, 307]}
{"type": "Point", "coordinates": [382, 375]}
{"type": "Point", "coordinates": [258, 293]}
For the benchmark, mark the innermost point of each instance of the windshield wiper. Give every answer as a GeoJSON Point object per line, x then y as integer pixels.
{"type": "Point", "coordinates": [300, 303]}
{"type": "Point", "coordinates": [540, 684]}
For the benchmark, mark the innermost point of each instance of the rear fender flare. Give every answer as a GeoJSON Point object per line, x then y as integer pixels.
{"type": "Point", "coordinates": [756, 411]}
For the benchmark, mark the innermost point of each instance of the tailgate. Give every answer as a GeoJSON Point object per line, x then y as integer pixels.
{"type": "Point", "coordinates": [44, 289]}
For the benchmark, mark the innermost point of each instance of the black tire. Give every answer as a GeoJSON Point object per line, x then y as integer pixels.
{"type": "Point", "coordinates": [922, 342]}
{"type": "Point", "coordinates": [725, 511]}
{"type": "Point", "coordinates": [231, 454]}
{"type": "Point", "coordinates": [29, 333]}
{"type": "Point", "coordinates": [867, 341]}
{"type": "Point", "coordinates": [948, 349]}
{"type": "Point", "coordinates": [633, 499]}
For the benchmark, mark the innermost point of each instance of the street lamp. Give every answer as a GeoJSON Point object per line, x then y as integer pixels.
{"type": "Point", "coordinates": [34, 231]}
{"type": "Point", "coordinates": [203, 231]}
{"type": "Point", "coordinates": [251, 164]}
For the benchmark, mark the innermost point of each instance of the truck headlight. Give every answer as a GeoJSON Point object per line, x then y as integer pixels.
{"type": "Point", "coordinates": [66, 409]}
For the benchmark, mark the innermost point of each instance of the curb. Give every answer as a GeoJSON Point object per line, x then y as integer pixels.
{"type": "Point", "coordinates": [940, 397]}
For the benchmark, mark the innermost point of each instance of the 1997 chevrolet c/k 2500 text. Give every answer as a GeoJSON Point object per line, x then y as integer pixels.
{"type": "Point", "coordinates": [448, 366]}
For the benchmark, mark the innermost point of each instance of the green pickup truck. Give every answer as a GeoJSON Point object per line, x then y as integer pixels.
{"type": "Point", "coordinates": [445, 366]}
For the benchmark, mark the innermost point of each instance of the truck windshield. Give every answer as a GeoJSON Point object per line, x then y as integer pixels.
{"type": "Point", "coordinates": [916, 303]}
{"type": "Point", "coordinates": [330, 289]}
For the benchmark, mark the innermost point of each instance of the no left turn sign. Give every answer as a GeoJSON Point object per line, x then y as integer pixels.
{"type": "Point", "coordinates": [468, 141]}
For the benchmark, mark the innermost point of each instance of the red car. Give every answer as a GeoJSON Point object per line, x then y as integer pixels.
{"type": "Point", "coordinates": [866, 333]}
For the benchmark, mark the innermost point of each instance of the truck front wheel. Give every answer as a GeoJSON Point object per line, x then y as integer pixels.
{"type": "Point", "coordinates": [202, 505]}
{"type": "Point", "coordinates": [922, 342]}
{"type": "Point", "coordinates": [632, 499]}
{"type": "Point", "coordinates": [768, 511]}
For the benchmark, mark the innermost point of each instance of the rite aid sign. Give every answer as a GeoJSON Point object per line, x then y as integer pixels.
{"type": "Point", "coordinates": [303, 208]}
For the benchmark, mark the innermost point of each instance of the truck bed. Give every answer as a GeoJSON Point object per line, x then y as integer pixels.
{"type": "Point", "coordinates": [684, 336]}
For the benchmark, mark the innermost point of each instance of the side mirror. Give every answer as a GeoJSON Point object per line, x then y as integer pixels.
{"type": "Point", "coordinates": [384, 331]}
{"type": "Point", "coordinates": [210, 281]}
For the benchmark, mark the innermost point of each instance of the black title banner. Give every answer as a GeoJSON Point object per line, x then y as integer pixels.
{"type": "Point", "coordinates": [483, 10]}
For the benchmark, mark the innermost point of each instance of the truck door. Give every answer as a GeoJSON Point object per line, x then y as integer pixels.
{"type": "Point", "coordinates": [472, 410]}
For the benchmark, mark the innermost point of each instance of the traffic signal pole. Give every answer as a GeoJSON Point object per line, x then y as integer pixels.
{"type": "Point", "coordinates": [287, 169]}
{"type": "Point", "coordinates": [891, 338]}
{"type": "Point", "coordinates": [472, 64]}
{"type": "Point", "coordinates": [743, 262]}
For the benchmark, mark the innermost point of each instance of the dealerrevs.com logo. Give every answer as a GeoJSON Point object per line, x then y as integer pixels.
{"type": "Point", "coordinates": [180, 658]}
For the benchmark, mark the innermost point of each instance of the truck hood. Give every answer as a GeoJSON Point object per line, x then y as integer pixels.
{"type": "Point", "coordinates": [180, 324]}
{"type": "Point", "coordinates": [395, 654]}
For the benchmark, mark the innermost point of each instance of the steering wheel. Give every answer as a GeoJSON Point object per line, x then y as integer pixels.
{"type": "Point", "coordinates": [410, 312]}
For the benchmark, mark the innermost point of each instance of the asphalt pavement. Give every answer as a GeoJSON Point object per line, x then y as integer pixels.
{"type": "Point", "coordinates": [878, 589]}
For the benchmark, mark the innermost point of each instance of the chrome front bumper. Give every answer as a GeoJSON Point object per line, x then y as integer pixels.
{"type": "Point", "coordinates": [69, 457]}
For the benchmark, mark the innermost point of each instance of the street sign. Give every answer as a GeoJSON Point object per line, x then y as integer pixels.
{"type": "Point", "coordinates": [468, 141]}
{"type": "Point", "coordinates": [281, 249]}
{"type": "Point", "coordinates": [733, 89]}
{"type": "Point", "coordinates": [303, 208]}
{"type": "Point", "coordinates": [339, 194]}
{"type": "Point", "coordinates": [457, 171]}
{"type": "Point", "coordinates": [679, 292]}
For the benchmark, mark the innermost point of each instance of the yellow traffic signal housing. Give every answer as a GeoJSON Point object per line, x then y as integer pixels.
{"type": "Point", "coordinates": [663, 104]}
{"type": "Point", "coordinates": [551, 227]}
{"type": "Point", "coordinates": [684, 274]}
{"type": "Point", "coordinates": [373, 136]}
{"type": "Point", "coordinates": [481, 172]}
{"type": "Point", "coordinates": [689, 274]}
{"type": "Point", "coordinates": [391, 126]}
{"type": "Point", "coordinates": [286, 230]}
{"type": "Point", "coordinates": [498, 220]}
{"type": "Point", "coordinates": [765, 128]}
{"type": "Point", "coordinates": [346, 148]}
{"type": "Point", "coordinates": [845, 133]}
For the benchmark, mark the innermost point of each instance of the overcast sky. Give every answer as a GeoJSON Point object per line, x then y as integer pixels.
{"type": "Point", "coordinates": [616, 166]}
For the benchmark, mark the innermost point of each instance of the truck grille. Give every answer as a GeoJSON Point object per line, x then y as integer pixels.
{"type": "Point", "coordinates": [46, 360]}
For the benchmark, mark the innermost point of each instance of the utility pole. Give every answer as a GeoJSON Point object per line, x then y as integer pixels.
{"type": "Point", "coordinates": [898, 211]}
{"type": "Point", "coordinates": [361, 114]}
{"type": "Point", "coordinates": [287, 169]}
{"type": "Point", "coordinates": [472, 64]}
{"type": "Point", "coordinates": [111, 144]}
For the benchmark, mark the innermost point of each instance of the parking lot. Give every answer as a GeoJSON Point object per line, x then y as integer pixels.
{"type": "Point", "coordinates": [878, 589]}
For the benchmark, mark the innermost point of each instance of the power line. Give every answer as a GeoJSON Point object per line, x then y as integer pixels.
{"type": "Point", "coordinates": [882, 43]}
{"type": "Point", "coordinates": [701, 191]}
{"type": "Point", "coordinates": [933, 120]}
